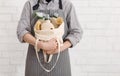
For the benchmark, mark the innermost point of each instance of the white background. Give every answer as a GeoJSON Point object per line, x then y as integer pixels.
{"type": "Point", "coordinates": [97, 54]}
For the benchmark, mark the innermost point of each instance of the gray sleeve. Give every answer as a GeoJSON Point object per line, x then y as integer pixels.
{"type": "Point", "coordinates": [75, 30]}
{"type": "Point", "coordinates": [24, 22]}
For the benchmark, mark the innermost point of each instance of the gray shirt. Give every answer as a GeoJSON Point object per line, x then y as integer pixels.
{"type": "Point", "coordinates": [75, 31]}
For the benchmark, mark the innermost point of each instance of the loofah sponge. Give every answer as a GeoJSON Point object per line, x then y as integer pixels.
{"type": "Point", "coordinates": [59, 21]}
{"type": "Point", "coordinates": [38, 25]}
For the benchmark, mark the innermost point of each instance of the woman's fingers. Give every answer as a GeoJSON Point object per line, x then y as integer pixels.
{"type": "Point", "coordinates": [53, 43]}
{"type": "Point", "coordinates": [49, 52]}
{"type": "Point", "coordinates": [48, 45]}
{"type": "Point", "coordinates": [52, 51]}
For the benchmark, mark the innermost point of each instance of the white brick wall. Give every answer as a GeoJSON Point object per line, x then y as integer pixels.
{"type": "Point", "coordinates": [98, 53]}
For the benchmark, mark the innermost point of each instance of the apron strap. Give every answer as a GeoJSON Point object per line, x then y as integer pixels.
{"type": "Point", "coordinates": [35, 7]}
{"type": "Point", "coordinates": [60, 4]}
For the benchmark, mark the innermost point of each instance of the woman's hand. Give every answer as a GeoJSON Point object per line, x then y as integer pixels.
{"type": "Point", "coordinates": [51, 51]}
{"type": "Point", "coordinates": [54, 51]}
{"type": "Point", "coordinates": [48, 45]}
{"type": "Point", "coordinates": [65, 45]}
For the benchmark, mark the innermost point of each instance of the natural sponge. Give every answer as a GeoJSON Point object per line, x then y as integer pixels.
{"type": "Point", "coordinates": [38, 25]}
{"type": "Point", "coordinates": [59, 20]}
